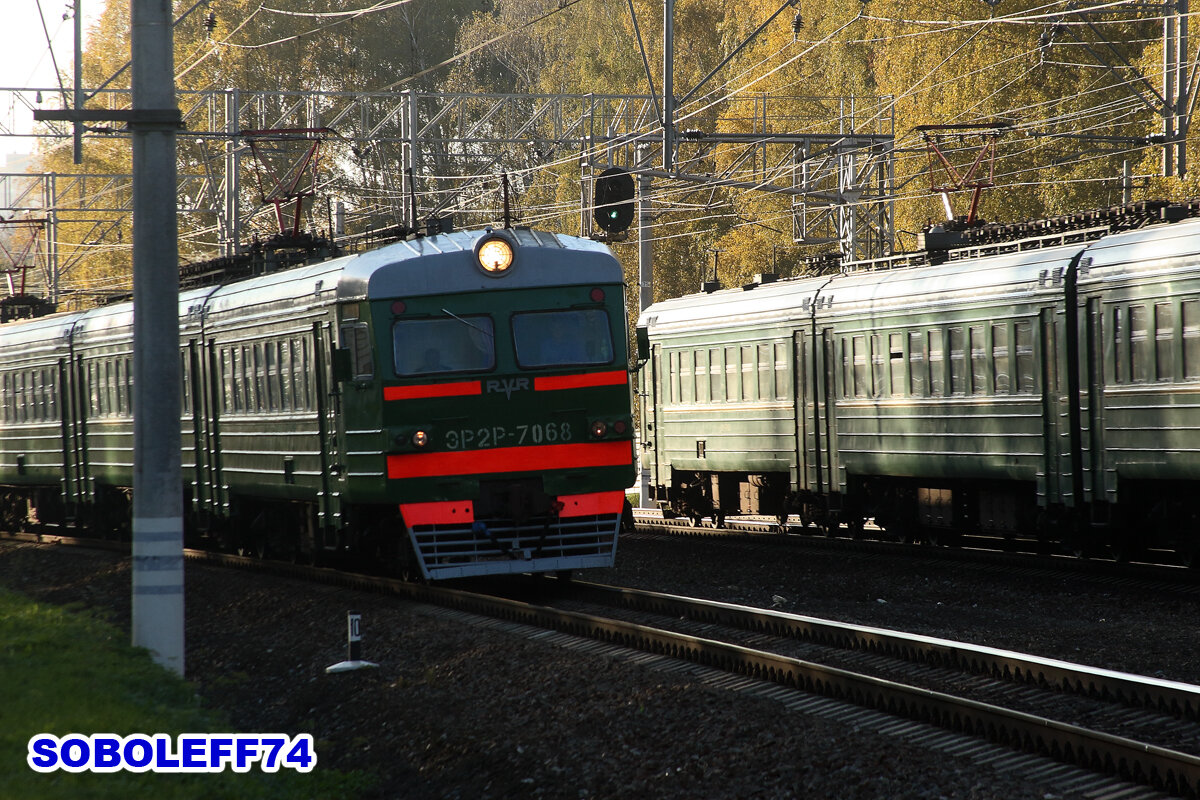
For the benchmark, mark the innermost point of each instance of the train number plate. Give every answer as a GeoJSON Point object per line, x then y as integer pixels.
{"type": "Point", "coordinates": [507, 436]}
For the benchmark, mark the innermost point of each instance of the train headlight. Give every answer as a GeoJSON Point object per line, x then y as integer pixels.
{"type": "Point", "coordinates": [495, 255]}
{"type": "Point", "coordinates": [599, 429]}
{"type": "Point", "coordinates": [420, 439]}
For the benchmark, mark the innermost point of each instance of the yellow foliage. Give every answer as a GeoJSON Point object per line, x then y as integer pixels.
{"type": "Point", "coordinates": [847, 67]}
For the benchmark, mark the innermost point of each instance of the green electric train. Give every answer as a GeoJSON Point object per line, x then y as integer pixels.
{"type": "Point", "coordinates": [1044, 386]}
{"type": "Point", "coordinates": [453, 405]}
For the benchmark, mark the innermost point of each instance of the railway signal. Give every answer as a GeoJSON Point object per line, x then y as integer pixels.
{"type": "Point", "coordinates": [612, 200]}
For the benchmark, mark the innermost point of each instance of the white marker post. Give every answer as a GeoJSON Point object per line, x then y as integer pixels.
{"type": "Point", "coordinates": [353, 646]}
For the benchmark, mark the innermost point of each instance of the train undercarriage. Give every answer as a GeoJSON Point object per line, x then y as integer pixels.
{"type": "Point", "coordinates": [1153, 515]}
{"type": "Point", "coordinates": [507, 531]}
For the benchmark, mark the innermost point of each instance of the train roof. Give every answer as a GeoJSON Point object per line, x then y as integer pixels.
{"type": "Point", "coordinates": [971, 275]}
{"type": "Point", "coordinates": [50, 328]}
{"type": "Point", "coordinates": [446, 263]}
{"type": "Point", "coordinates": [428, 265]}
{"type": "Point", "coordinates": [1006, 274]}
{"type": "Point", "coordinates": [439, 264]}
{"type": "Point", "coordinates": [1145, 248]}
{"type": "Point", "coordinates": [315, 283]}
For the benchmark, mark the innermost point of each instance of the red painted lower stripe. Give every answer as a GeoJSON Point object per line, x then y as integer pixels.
{"type": "Point", "coordinates": [593, 504]}
{"type": "Point", "coordinates": [552, 382]}
{"type": "Point", "coordinates": [510, 459]}
{"type": "Point", "coordinates": [458, 389]}
{"type": "Point", "coordinates": [441, 513]}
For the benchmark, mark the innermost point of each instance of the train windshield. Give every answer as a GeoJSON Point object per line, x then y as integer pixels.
{"type": "Point", "coordinates": [444, 344]}
{"type": "Point", "coordinates": [563, 338]}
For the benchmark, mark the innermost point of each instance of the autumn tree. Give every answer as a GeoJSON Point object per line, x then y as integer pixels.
{"type": "Point", "coordinates": [844, 66]}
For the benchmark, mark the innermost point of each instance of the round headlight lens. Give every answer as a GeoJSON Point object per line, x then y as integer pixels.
{"type": "Point", "coordinates": [420, 439]}
{"type": "Point", "coordinates": [495, 256]}
{"type": "Point", "coordinates": [599, 429]}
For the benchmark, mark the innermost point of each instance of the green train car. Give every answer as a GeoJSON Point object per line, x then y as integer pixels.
{"type": "Point", "coordinates": [1047, 387]}
{"type": "Point", "coordinates": [453, 405]}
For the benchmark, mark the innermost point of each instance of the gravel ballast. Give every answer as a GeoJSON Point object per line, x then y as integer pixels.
{"type": "Point", "coordinates": [461, 709]}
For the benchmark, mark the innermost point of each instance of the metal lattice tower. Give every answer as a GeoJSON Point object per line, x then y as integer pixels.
{"type": "Point", "coordinates": [407, 157]}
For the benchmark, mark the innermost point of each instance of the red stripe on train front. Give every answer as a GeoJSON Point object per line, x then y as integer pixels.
{"type": "Point", "coordinates": [592, 504]}
{"type": "Point", "coordinates": [550, 383]}
{"type": "Point", "coordinates": [441, 513]}
{"type": "Point", "coordinates": [535, 458]}
{"type": "Point", "coordinates": [462, 512]}
{"type": "Point", "coordinates": [458, 389]}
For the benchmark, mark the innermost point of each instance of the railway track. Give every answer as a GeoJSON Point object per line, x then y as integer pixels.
{"type": "Point", "coordinates": [1098, 725]}
{"type": "Point", "coordinates": [1124, 727]}
{"type": "Point", "coordinates": [974, 549]}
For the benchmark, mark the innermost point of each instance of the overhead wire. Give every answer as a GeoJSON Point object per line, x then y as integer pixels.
{"type": "Point", "coordinates": [665, 195]}
{"type": "Point", "coordinates": [957, 23]}
{"type": "Point", "coordinates": [50, 48]}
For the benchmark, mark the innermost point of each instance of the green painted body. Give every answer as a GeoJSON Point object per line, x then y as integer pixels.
{"type": "Point", "coordinates": [287, 449]}
{"type": "Point", "coordinates": [1048, 391]}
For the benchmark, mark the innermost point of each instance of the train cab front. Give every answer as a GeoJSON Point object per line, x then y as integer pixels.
{"type": "Point", "coordinates": [508, 418]}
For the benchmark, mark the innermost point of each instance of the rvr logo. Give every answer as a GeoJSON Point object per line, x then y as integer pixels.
{"type": "Point", "coordinates": [507, 385]}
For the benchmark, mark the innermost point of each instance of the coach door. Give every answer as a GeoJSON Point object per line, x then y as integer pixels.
{"type": "Point", "coordinates": [1092, 435]}
{"type": "Point", "coordinates": [74, 464]}
{"type": "Point", "coordinates": [816, 457]}
{"type": "Point", "coordinates": [806, 475]}
{"type": "Point", "coordinates": [328, 403]}
{"type": "Point", "coordinates": [1056, 481]}
{"type": "Point", "coordinates": [77, 441]}
{"type": "Point", "coordinates": [653, 415]}
{"type": "Point", "coordinates": [203, 386]}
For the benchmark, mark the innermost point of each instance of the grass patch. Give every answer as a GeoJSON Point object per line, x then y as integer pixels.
{"type": "Point", "coordinates": [66, 671]}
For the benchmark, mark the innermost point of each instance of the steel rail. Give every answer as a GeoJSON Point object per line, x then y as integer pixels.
{"type": "Point", "coordinates": [1169, 697]}
{"type": "Point", "coordinates": [970, 548]}
{"type": "Point", "coordinates": [1161, 768]}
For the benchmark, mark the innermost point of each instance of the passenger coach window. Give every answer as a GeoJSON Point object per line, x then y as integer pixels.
{"type": "Point", "coordinates": [861, 388]}
{"type": "Point", "coordinates": [1164, 341]}
{"type": "Point", "coordinates": [958, 363]}
{"type": "Point", "coordinates": [357, 340]}
{"type": "Point", "coordinates": [782, 374]}
{"type": "Point", "coordinates": [732, 369]}
{"type": "Point", "coordinates": [749, 379]}
{"type": "Point", "coordinates": [1191, 339]}
{"type": "Point", "coordinates": [1120, 347]}
{"type": "Point", "coordinates": [565, 338]}
{"type": "Point", "coordinates": [716, 376]}
{"type": "Point", "coordinates": [1025, 363]}
{"type": "Point", "coordinates": [896, 360]}
{"type": "Point", "coordinates": [918, 371]}
{"type": "Point", "coordinates": [444, 344]}
{"type": "Point", "coordinates": [978, 360]}
{"type": "Point", "coordinates": [1139, 345]}
{"type": "Point", "coordinates": [702, 390]}
{"type": "Point", "coordinates": [1000, 360]}
{"type": "Point", "coordinates": [937, 365]}
{"type": "Point", "coordinates": [877, 367]}
{"type": "Point", "coordinates": [686, 369]}
{"type": "Point", "coordinates": [766, 370]}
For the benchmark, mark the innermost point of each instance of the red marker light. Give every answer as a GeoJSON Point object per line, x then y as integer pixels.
{"type": "Point", "coordinates": [597, 295]}
{"type": "Point", "coordinates": [399, 307]}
